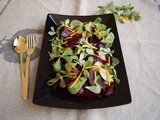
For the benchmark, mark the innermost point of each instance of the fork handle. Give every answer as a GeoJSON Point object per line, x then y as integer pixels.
{"type": "Point", "coordinates": [22, 77]}
{"type": "Point", "coordinates": [27, 76]}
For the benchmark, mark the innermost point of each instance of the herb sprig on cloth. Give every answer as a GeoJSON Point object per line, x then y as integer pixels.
{"type": "Point", "coordinates": [122, 14]}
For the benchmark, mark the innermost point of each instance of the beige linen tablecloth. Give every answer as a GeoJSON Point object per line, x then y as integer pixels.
{"type": "Point", "coordinates": [140, 43]}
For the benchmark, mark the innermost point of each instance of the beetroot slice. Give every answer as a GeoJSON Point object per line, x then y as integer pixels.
{"type": "Point", "coordinates": [74, 40]}
{"type": "Point", "coordinates": [55, 85]}
{"type": "Point", "coordinates": [93, 39]}
{"type": "Point", "coordinates": [96, 58]}
{"type": "Point", "coordinates": [91, 77]}
{"type": "Point", "coordinates": [64, 32]}
{"type": "Point", "coordinates": [108, 90]}
{"type": "Point", "coordinates": [88, 94]}
{"type": "Point", "coordinates": [103, 46]}
{"type": "Point", "coordinates": [67, 81]}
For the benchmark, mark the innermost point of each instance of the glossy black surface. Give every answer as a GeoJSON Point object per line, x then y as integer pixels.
{"type": "Point", "coordinates": [43, 95]}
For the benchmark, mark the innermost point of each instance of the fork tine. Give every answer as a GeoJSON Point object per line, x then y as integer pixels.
{"type": "Point", "coordinates": [29, 41]}
{"type": "Point", "coordinates": [34, 40]}
{"type": "Point", "coordinates": [32, 44]}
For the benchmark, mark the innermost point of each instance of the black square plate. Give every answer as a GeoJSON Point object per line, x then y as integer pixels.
{"type": "Point", "coordinates": [43, 95]}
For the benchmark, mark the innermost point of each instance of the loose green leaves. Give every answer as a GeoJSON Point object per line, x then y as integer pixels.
{"type": "Point", "coordinates": [120, 13]}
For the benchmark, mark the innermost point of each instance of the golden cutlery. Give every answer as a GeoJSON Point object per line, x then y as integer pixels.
{"type": "Point", "coordinates": [20, 47]}
{"type": "Point", "coordinates": [30, 49]}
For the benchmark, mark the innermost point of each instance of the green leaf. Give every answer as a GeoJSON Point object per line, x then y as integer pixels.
{"type": "Point", "coordinates": [82, 55]}
{"type": "Point", "coordinates": [66, 22]}
{"type": "Point", "coordinates": [74, 57]}
{"type": "Point", "coordinates": [91, 59]}
{"type": "Point", "coordinates": [115, 61]}
{"type": "Point", "coordinates": [89, 51]}
{"type": "Point", "coordinates": [52, 81]}
{"type": "Point", "coordinates": [111, 6]}
{"type": "Point", "coordinates": [102, 54]}
{"type": "Point", "coordinates": [80, 29]}
{"type": "Point", "coordinates": [52, 28]}
{"type": "Point", "coordinates": [98, 19]}
{"type": "Point", "coordinates": [57, 65]}
{"type": "Point", "coordinates": [67, 58]}
{"type": "Point", "coordinates": [105, 50]}
{"type": "Point", "coordinates": [88, 63]}
{"type": "Point", "coordinates": [103, 73]}
{"type": "Point", "coordinates": [89, 26]}
{"type": "Point", "coordinates": [63, 72]}
{"type": "Point", "coordinates": [109, 40]}
{"type": "Point", "coordinates": [68, 51]}
{"type": "Point", "coordinates": [98, 77]}
{"type": "Point", "coordinates": [53, 55]}
{"type": "Point", "coordinates": [110, 36]}
{"type": "Point", "coordinates": [77, 86]}
{"type": "Point", "coordinates": [75, 23]}
{"type": "Point", "coordinates": [117, 81]}
{"type": "Point", "coordinates": [95, 89]}
{"type": "Point", "coordinates": [77, 49]}
{"type": "Point", "coordinates": [62, 83]}
{"type": "Point", "coordinates": [69, 65]}
{"type": "Point", "coordinates": [86, 74]}
{"type": "Point", "coordinates": [51, 33]}
{"type": "Point", "coordinates": [97, 63]}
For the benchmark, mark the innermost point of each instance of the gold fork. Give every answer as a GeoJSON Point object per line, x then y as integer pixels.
{"type": "Point", "coordinates": [30, 49]}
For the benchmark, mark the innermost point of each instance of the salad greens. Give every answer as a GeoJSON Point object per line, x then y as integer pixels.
{"type": "Point", "coordinates": [121, 13]}
{"type": "Point", "coordinates": [82, 58]}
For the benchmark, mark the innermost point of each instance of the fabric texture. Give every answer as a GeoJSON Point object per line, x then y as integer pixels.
{"type": "Point", "coordinates": [140, 42]}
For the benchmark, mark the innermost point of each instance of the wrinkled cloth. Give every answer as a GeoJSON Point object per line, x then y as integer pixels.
{"type": "Point", "coordinates": [140, 42]}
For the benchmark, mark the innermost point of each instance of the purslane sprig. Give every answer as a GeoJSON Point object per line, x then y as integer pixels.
{"type": "Point", "coordinates": [122, 14]}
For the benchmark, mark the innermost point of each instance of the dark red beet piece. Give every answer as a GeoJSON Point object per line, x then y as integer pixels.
{"type": "Point", "coordinates": [103, 46]}
{"type": "Point", "coordinates": [96, 58]}
{"type": "Point", "coordinates": [64, 32]}
{"type": "Point", "coordinates": [108, 90]}
{"type": "Point", "coordinates": [88, 94]}
{"type": "Point", "coordinates": [55, 85]}
{"type": "Point", "coordinates": [100, 82]}
{"type": "Point", "coordinates": [74, 40]}
{"type": "Point", "coordinates": [78, 67]}
{"type": "Point", "coordinates": [91, 77]}
{"type": "Point", "coordinates": [67, 81]}
{"type": "Point", "coordinates": [80, 92]}
{"type": "Point", "coordinates": [93, 39]}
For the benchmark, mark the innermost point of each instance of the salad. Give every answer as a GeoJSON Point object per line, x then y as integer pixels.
{"type": "Point", "coordinates": [82, 58]}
